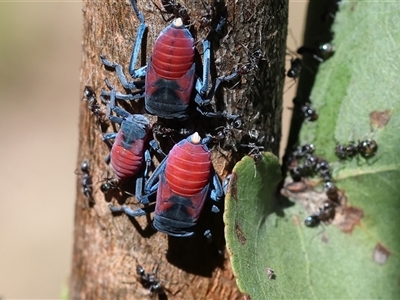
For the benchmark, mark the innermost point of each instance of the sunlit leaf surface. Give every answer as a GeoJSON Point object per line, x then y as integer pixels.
{"type": "Point", "coordinates": [356, 255]}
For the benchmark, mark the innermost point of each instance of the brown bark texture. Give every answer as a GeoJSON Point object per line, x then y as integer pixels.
{"type": "Point", "coordinates": [108, 248]}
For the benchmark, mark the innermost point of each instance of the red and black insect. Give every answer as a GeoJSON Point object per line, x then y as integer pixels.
{"type": "Point", "coordinates": [130, 147]}
{"type": "Point", "coordinates": [170, 76]}
{"type": "Point", "coordinates": [171, 84]}
{"type": "Point", "coordinates": [182, 182]}
{"type": "Point", "coordinates": [87, 181]}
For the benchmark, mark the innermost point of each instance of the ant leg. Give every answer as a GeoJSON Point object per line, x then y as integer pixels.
{"type": "Point", "coordinates": [202, 85]}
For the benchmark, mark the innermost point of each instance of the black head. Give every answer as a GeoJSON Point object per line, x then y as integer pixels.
{"type": "Point", "coordinates": [326, 50]}
{"type": "Point", "coordinates": [340, 152]}
{"type": "Point", "coordinates": [367, 148]}
{"type": "Point", "coordinates": [89, 93]}
{"type": "Point", "coordinates": [309, 113]}
{"type": "Point", "coordinates": [312, 221]}
{"type": "Point", "coordinates": [85, 167]}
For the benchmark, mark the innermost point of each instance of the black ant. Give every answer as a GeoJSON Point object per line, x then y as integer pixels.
{"type": "Point", "coordinates": [174, 8]}
{"type": "Point", "coordinates": [207, 17]}
{"type": "Point", "coordinates": [255, 152]}
{"type": "Point", "coordinates": [346, 151]}
{"type": "Point", "coordinates": [93, 105]}
{"type": "Point", "coordinates": [330, 11]}
{"type": "Point", "coordinates": [87, 182]}
{"type": "Point", "coordinates": [307, 169]}
{"type": "Point", "coordinates": [226, 133]}
{"type": "Point", "coordinates": [332, 191]}
{"type": "Point", "coordinates": [303, 151]}
{"type": "Point", "coordinates": [295, 68]}
{"type": "Point", "coordinates": [298, 172]}
{"type": "Point", "coordinates": [307, 111]}
{"type": "Point", "coordinates": [321, 53]}
{"type": "Point", "coordinates": [366, 149]}
{"type": "Point", "coordinates": [323, 169]}
{"type": "Point", "coordinates": [149, 280]}
{"type": "Point", "coordinates": [311, 164]}
{"type": "Point", "coordinates": [110, 184]}
{"type": "Point", "coordinates": [294, 71]}
{"type": "Point", "coordinates": [295, 61]}
{"type": "Point", "coordinates": [326, 213]}
{"type": "Point", "coordinates": [255, 142]}
{"type": "Point", "coordinates": [311, 161]}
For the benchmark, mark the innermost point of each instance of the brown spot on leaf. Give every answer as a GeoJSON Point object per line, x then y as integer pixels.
{"type": "Point", "coordinates": [239, 233]}
{"type": "Point", "coordinates": [379, 119]}
{"type": "Point", "coordinates": [296, 220]}
{"type": "Point", "coordinates": [246, 297]}
{"type": "Point", "coordinates": [233, 186]}
{"type": "Point", "coordinates": [350, 216]}
{"type": "Point", "coordinates": [381, 254]}
{"type": "Point", "coordinates": [296, 187]}
{"type": "Point", "coordinates": [325, 239]}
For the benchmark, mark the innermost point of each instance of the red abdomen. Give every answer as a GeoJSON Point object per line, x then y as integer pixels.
{"type": "Point", "coordinates": [173, 52]}
{"type": "Point", "coordinates": [126, 162]}
{"type": "Point", "coordinates": [188, 168]}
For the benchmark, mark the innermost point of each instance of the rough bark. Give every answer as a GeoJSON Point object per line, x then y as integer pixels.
{"type": "Point", "coordinates": [108, 248]}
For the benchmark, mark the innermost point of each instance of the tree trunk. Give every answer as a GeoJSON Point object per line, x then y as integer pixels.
{"type": "Point", "coordinates": [108, 248]}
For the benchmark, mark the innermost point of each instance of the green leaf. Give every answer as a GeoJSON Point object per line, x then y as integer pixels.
{"type": "Point", "coordinates": [248, 206]}
{"type": "Point", "coordinates": [356, 96]}
{"type": "Point", "coordinates": [356, 256]}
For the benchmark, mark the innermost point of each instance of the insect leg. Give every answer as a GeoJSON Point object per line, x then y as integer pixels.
{"type": "Point", "coordinates": [138, 42]}
{"type": "Point", "coordinates": [132, 212]}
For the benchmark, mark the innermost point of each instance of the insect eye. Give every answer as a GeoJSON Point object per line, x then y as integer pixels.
{"type": "Point", "coordinates": [237, 123]}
